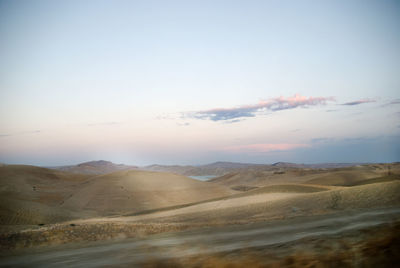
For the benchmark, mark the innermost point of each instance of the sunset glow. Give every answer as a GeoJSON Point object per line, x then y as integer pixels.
{"type": "Point", "coordinates": [143, 82]}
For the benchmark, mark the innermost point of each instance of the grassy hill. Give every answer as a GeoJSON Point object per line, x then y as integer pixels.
{"type": "Point", "coordinates": [95, 167]}
{"type": "Point", "coordinates": [34, 195]}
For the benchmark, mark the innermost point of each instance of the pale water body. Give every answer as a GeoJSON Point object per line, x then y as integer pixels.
{"type": "Point", "coordinates": [203, 178]}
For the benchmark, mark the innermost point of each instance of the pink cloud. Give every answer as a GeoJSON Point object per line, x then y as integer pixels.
{"type": "Point", "coordinates": [358, 102]}
{"type": "Point", "coordinates": [265, 147]}
{"type": "Point", "coordinates": [274, 104]}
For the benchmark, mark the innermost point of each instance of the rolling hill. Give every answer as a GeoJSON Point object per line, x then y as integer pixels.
{"type": "Point", "coordinates": [130, 203]}
{"type": "Point", "coordinates": [135, 190]}
{"type": "Point", "coordinates": [223, 168]}
{"type": "Point", "coordinates": [336, 176]}
{"type": "Point", "coordinates": [94, 167]}
{"type": "Point", "coordinates": [35, 195]}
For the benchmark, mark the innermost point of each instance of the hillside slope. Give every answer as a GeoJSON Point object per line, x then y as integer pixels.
{"type": "Point", "coordinates": [223, 168]}
{"type": "Point", "coordinates": [252, 207]}
{"type": "Point", "coordinates": [338, 176]}
{"type": "Point", "coordinates": [95, 167]}
{"type": "Point", "coordinates": [135, 190]}
{"type": "Point", "coordinates": [33, 195]}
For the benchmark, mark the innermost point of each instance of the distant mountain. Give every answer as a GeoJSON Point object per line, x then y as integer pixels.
{"type": "Point", "coordinates": [288, 165]}
{"type": "Point", "coordinates": [183, 170]}
{"type": "Point", "coordinates": [212, 169]}
{"type": "Point", "coordinates": [222, 168]}
{"type": "Point", "coordinates": [315, 166]}
{"type": "Point", "coordinates": [229, 165]}
{"type": "Point", "coordinates": [334, 165]}
{"type": "Point", "coordinates": [216, 169]}
{"type": "Point", "coordinates": [95, 167]}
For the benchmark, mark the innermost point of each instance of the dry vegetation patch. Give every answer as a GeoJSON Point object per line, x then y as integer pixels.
{"type": "Point", "coordinates": [373, 247]}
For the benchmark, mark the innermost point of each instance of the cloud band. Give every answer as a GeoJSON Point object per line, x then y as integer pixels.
{"type": "Point", "coordinates": [272, 105]}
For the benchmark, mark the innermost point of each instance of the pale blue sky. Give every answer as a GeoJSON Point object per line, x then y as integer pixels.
{"type": "Point", "coordinates": [145, 82]}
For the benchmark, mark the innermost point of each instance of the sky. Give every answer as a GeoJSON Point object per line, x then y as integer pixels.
{"type": "Point", "coordinates": [194, 82]}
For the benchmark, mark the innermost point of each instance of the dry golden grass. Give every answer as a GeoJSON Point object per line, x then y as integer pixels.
{"type": "Point", "coordinates": [242, 210]}
{"type": "Point", "coordinates": [375, 247]}
{"type": "Point", "coordinates": [271, 189]}
{"type": "Point", "coordinates": [64, 233]}
{"type": "Point", "coordinates": [339, 177]}
{"type": "Point", "coordinates": [392, 177]}
{"type": "Point", "coordinates": [33, 195]}
{"type": "Point", "coordinates": [278, 206]}
{"type": "Point", "coordinates": [287, 188]}
{"type": "Point", "coordinates": [132, 191]}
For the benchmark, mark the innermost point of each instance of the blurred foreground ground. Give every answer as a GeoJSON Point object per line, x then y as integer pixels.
{"type": "Point", "coordinates": [358, 238]}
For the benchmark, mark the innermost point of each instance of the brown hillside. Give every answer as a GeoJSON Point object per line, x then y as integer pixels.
{"type": "Point", "coordinates": [33, 195]}
{"type": "Point", "coordinates": [339, 177]}
{"type": "Point", "coordinates": [134, 190]}
{"type": "Point", "coordinates": [95, 167]}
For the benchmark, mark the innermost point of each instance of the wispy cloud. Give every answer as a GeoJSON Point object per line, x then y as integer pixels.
{"type": "Point", "coordinates": [233, 121]}
{"type": "Point", "coordinates": [112, 123]}
{"type": "Point", "coordinates": [358, 102]}
{"type": "Point", "coordinates": [323, 140]}
{"type": "Point", "coordinates": [166, 117]}
{"type": "Point", "coordinates": [20, 133]}
{"type": "Point", "coordinates": [330, 140]}
{"type": "Point", "coordinates": [394, 102]}
{"type": "Point", "coordinates": [362, 139]}
{"type": "Point", "coordinates": [271, 105]}
{"type": "Point", "coordinates": [184, 124]}
{"type": "Point", "coordinates": [265, 147]}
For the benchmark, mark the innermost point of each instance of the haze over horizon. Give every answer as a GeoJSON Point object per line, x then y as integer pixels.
{"type": "Point", "coordinates": [183, 82]}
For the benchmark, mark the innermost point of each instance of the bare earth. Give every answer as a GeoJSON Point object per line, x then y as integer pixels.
{"type": "Point", "coordinates": [86, 216]}
{"type": "Point", "coordinates": [264, 244]}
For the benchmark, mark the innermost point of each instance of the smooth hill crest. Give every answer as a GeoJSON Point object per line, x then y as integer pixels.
{"type": "Point", "coordinates": [35, 195]}
{"type": "Point", "coordinates": [95, 167]}
{"type": "Point", "coordinates": [222, 168]}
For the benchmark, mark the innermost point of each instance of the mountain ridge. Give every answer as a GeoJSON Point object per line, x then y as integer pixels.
{"type": "Point", "coordinates": [219, 168]}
